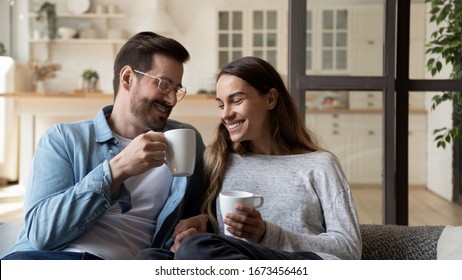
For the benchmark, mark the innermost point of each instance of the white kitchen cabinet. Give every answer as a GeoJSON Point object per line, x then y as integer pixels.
{"type": "Point", "coordinates": [365, 100]}
{"type": "Point", "coordinates": [333, 130]}
{"type": "Point", "coordinates": [367, 27]}
{"type": "Point", "coordinates": [365, 159]}
{"type": "Point", "coordinates": [417, 149]}
{"type": "Point", "coordinates": [356, 138]}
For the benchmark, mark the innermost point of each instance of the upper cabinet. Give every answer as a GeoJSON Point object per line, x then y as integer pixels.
{"type": "Point", "coordinates": [250, 31]}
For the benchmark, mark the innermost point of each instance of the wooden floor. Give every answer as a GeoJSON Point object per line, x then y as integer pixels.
{"type": "Point", "coordinates": [425, 208]}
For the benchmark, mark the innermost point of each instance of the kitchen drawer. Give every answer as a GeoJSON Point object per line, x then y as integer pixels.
{"type": "Point", "coordinates": [365, 100]}
{"type": "Point", "coordinates": [334, 120]}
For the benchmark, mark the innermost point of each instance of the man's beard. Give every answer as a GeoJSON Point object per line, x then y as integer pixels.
{"type": "Point", "coordinates": [141, 109]}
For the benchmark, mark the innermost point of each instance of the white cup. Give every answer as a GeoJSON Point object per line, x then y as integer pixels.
{"type": "Point", "coordinates": [229, 199]}
{"type": "Point", "coordinates": [181, 151]}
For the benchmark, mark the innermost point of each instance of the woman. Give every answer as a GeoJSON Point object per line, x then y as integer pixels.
{"type": "Point", "coordinates": [263, 147]}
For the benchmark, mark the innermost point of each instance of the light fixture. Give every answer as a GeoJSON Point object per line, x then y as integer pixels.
{"type": "Point", "coordinates": [158, 20]}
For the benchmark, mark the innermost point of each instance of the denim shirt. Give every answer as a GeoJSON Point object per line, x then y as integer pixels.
{"type": "Point", "coordinates": [69, 186]}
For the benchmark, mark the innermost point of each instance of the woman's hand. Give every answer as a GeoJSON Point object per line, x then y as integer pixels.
{"type": "Point", "coordinates": [250, 226]}
{"type": "Point", "coordinates": [188, 227]}
{"type": "Point", "coordinates": [181, 236]}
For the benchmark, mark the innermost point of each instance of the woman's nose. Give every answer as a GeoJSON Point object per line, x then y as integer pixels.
{"type": "Point", "coordinates": [226, 112]}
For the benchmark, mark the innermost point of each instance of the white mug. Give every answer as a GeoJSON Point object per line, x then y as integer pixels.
{"type": "Point", "coordinates": [229, 199]}
{"type": "Point", "coordinates": [181, 151]}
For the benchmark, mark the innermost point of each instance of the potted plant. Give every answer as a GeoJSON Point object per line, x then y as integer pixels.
{"type": "Point", "coordinates": [47, 14]}
{"type": "Point", "coordinates": [90, 80]}
{"type": "Point", "coordinates": [42, 72]}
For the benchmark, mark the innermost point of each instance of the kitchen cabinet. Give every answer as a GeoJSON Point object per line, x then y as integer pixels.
{"type": "Point", "coordinates": [355, 137]}
{"type": "Point", "coordinates": [333, 132]}
{"type": "Point", "coordinates": [365, 157]}
{"type": "Point", "coordinates": [417, 149]}
{"type": "Point", "coordinates": [365, 100]}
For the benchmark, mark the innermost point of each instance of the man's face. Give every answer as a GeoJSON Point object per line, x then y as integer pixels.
{"type": "Point", "coordinates": [149, 106]}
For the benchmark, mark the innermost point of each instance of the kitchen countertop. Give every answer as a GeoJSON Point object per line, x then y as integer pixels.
{"type": "Point", "coordinates": [110, 96]}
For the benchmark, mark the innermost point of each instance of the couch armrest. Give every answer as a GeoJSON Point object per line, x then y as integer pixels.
{"type": "Point", "coordinates": [394, 242]}
{"type": "Point", "coordinates": [9, 235]}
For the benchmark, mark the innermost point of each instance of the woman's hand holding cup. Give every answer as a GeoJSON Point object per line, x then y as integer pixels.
{"type": "Point", "coordinates": [240, 216]}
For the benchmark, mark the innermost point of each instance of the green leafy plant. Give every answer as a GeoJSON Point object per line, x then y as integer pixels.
{"type": "Point", "coordinates": [446, 46]}
{"type": "Point", "coordinates": [2, 49]}
{"type": "Point", "coordinates": [47, 14]}
{"type": "Point", "coordinates": [88, 74]}
{"type": "Point", "coordinates": [90, 80]}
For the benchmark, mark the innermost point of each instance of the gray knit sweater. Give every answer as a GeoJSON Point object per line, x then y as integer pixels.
{"type": "Point", "coordinates": [308, 203]}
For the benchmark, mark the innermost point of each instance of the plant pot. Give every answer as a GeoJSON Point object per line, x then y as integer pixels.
{"type": "Point", "coordinates": [90, 85]}
{"type": "Point", "coordinates": [40, 87]}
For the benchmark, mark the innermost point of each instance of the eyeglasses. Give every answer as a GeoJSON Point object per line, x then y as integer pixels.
{"type": "Point", "coordinates": [165, 85]}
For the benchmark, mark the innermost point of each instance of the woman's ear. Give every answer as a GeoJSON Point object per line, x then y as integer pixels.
{"type": "Point", "coordinates": [272, 98]}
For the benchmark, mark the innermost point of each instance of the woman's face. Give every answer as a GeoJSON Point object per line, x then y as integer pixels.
{"type": "Point", "coordinates": [243, 110]}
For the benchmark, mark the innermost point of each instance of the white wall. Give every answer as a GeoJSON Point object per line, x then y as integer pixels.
{"type": "Point", "coordinates": [196, 22]}
{"type": "Point", "coordinates": [8, 123]}
{"type": "Point", "coordinates": [439, 161]}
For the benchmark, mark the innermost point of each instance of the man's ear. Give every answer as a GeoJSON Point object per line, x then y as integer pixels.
{"type": "Point", "coordinates": [272, 98]}
{"type": "Point", "coordinates": [126, 77]}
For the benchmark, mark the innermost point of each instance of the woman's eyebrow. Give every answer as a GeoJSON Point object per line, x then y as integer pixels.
{"type": "Point", "coordinates": [232, 95]}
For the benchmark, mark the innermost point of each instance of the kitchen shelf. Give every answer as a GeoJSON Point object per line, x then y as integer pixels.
{"type": "Point", "coordinates": [79, 41]}
{"type": "Point", "coordinates": [86, 15]}
{"type": "Point", "coordinates": [99, 21]}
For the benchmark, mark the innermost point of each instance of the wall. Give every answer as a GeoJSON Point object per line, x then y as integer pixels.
{"type": "Point", "coordinates": [195, 21]}
{"type": "Point", "coordinates": [439, 161]}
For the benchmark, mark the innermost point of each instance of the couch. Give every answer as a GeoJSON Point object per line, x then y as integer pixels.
{"type": "Point", "coordinates": [380, 242]}
{"type": "Point", "coordinates": [394, 242]}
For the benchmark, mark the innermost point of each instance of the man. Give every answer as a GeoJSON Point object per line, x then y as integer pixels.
{"type": "Point", "coordinates": [99, 189]}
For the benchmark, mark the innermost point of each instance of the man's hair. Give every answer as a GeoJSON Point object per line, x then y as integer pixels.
{"type": "Point", "coordinates": [137, 53]}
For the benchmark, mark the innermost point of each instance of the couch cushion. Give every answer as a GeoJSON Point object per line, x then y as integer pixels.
{"type": "Point", "coordinates": [450, 244]}
{"type": "Point", "coordinates": [394, 242]}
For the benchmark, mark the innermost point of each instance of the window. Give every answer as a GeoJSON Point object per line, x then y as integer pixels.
{"type": "Point", "coordinates": [334, 39]}
{"type": "Point", "coordinates": [230, 36]}
{"type": "Point", "coordinates": [327, 41]}
{"type": "Point", "coordinates": [264, 35]}
{"type": "Point", "coordinates": [309, 40]}
{"type": "Point", "coordinates": [236, 39]}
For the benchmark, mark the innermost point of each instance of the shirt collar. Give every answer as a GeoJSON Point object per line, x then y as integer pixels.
{"type": "Point", "coordinates": [103, 131]}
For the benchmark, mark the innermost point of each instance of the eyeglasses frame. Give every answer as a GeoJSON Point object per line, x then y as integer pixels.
{"type": "Point", "coordinates": [177, 89]}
